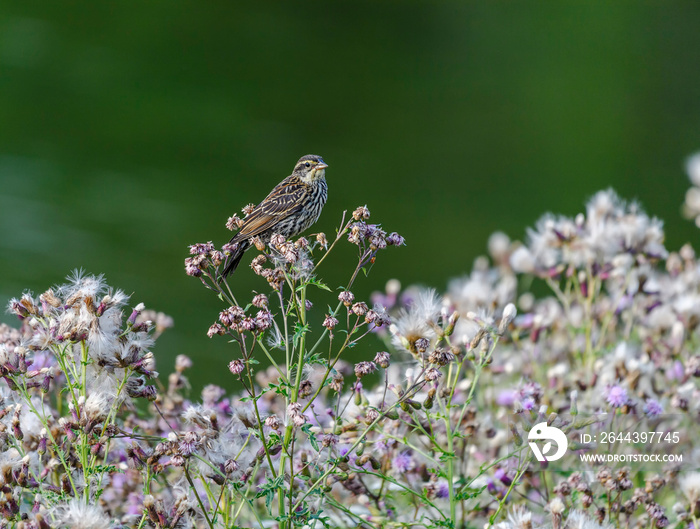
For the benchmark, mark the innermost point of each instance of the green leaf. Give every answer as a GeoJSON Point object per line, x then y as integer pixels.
{"type": "Point", "coordinates": [325, 520]}
{"type": "Point", "coordinates": [312, 438]}
{"type": "Point", "coordinates": [280, 389]}
{"type": "Point", "coordinates": [270, 489]}
{"type": "Point", "coordinates": [446, 457]}
{"type": "Point", "coordinates": [105, 468]}
{"type": "Point", "coordinates": [316, 358]}
{"type": "Point", "coordinates": [299, 331]}
{"type": "Point", "coordinates": [468, 493]}
{"type": "Point", "coordinates": [317, 283]}
{"type": "Point", "coordinates": [444, 523]}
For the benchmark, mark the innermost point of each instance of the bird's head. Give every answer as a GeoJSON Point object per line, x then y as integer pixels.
{"type": "Point", "coordinates": [310, 168]}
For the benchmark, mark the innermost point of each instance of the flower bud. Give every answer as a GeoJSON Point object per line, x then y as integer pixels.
{"type": "Point", "coordinates": [517, 438]}
{"type": "Point", "coordinates": [430, 399]}
{"type": "Point", "coordinates": [392, 414]}
{"type": "Point", "coordinates": [451, 323]}
{"type": "Point", "coordinates": [509, 314]}
{"type": "Point", "coordinates": [346, 297]}
{"type": "Point", "coordinates": [330, 322]}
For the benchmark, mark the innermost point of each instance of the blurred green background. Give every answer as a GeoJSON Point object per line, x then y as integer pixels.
{"type": "Point", "coordinates": [129, 130]}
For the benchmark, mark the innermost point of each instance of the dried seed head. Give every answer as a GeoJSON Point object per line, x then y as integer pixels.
{"type": "Point", "coordinates": [361, 213]}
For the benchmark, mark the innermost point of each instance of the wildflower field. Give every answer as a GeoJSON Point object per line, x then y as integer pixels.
{"type": "Point", "coordinates": [588, 327]}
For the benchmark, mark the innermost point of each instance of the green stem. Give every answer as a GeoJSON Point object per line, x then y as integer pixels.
{"type": "Point", "coordinates": [409, 394]}
{"type": "Point", "coordinates": [45, 424]}
{"type": "Point", "coordinates": [199, 500]}
{"type": "Point", "coordinates": [301, 312]}
{"type": "Point", "coordinates": [501, 503]}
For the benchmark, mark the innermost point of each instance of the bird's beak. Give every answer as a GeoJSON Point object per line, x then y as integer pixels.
{"type": "Point", "coordinates": [321, 166]}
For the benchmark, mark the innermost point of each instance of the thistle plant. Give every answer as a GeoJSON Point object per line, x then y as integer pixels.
{"type": "Point", "coordinates": [297, 436]}
{"type": "Point", "coordinates": [409, 410]}
{"type": "Point", "coordinates": [68, 371]}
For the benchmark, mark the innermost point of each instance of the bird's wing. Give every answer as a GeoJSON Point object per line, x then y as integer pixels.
{"type": "Point", "coordinates": [285, 199]}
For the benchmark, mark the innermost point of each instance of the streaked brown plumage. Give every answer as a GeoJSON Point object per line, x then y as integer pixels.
{"type": "Point", "coordinates": [291, 207]}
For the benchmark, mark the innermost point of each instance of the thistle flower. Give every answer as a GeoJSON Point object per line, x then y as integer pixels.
{"type": "Point", "coordinates": [248, 324]}
{"type": "Point", "coordinates": [691, 208]}
{"type": "Point", "coordinates": [329, 440]}
{"type": "Point", "coordinates": [653, 408]}
{"type": "Point", "coordinates": [382, 359]}
{"type": "Point", "coordinates": [336, 383]}
{"type": "Point", "coordinates": [193, 266]}
{"type": "Point", "coordinates": [403, 462]}
{"type": "Point", "coordinates": [518, 518]}
{"type": "Point", "coordinates": [432, 374]}
{"type": "Point", "coordinates": [617, 396]}
{"type": "Point", "coordinates": [295, 414]}
{"type": "Point", "coordinates": [364, 368]}
{"type": "Point", "coordinates": [441, 357]}
{"type": "Point", "coordinates": [198, 415]}
{"type": "Point", "coordinates": [263, 320]}
{"type": "Point", "coordinates": [260, 301]}
{"type": "Point", "coordinates": [234, 222]}
{"type": "Point", "coordinates": [236, 367]}
{"type": "Point", "coordinates": [581, 520]}
{"type": "Point", "coordinates": [346, 297]}
{"type": "Point", "coordinates": [79, 514]}
{"type": "Point", "coordinates": [215, 329]}
{"type": "Point", "coordinates": [330, 322]}
{"type": "Point", "coordinates": [418, 322]}
{"type": "Point", "coordinates": [689, 484]}
{"type": "Point", "coordinates": [378, 317]}
{"type": "Point", "coordinates": [361, 213]}
{"type": "Point", "coordinates": [359, 308]}
{"type": "Point", "coordinates": [232, 316]}
{"type": "Point", "coordinates": [394, 239]}
{"type": "Point", "coordinates": [99, 403]}
{"type": "Point", "coordinates": [273, 422]}
{"type": "Point", "coordinates": [182, 362]}
{"type": "Point", "coordinates": [202, 248]}
{"type": "Point", "coordinates": [231, 466]}
{"type": "Point", "coordinates": [188, 444]}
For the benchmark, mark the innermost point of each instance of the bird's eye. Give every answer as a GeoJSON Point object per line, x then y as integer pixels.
{"type": "Point", "coordinates": [307, 164]}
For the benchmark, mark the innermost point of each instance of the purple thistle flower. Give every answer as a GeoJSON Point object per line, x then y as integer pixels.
{"type": "Point", "coordinates": [443, 489]}
{"type": "Point", "coordinates": [263, 320]}
{"type": "Point", "coordinates": [330, 322]}
{"type": "Point", "coordinates": [382, 359]}
{"type": "Point", "coordinates": [248, 324]}
{"type": "Point", "coordinates": [528, 404]}
{"type": "Point", "coordinates": [236, 367]}
{"type": "Point", "coordinates": [653, 407]}
{"type": "Point", "coordinates": [403, 462]}
{"type": "Point", "coordinates": [506, 397]}
{"type": "Point", "coordinates": [260, 301]}
{"type": "Point", "coordinates": [617, 396]}
{"type": "Point", "coordinates": [364, 368]}
{"type": "Point", "coordinates": [394, 239]}
{"type": "Point", "coordinates": [677, 372]}
{"type": "Point", "coordinates": [215, 329]}
{"type": "Point", "coordinates": [201, 248]}
{"type": "Point", "coordinates": [502, 476]}
{"type": "Point", "coordinates": [346, 297]}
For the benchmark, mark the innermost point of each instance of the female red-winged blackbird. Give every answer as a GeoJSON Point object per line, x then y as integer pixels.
{"type": "Point", "coordinates": [291, 207]}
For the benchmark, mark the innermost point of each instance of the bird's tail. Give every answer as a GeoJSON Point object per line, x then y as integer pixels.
{"type": "Point", "coordinates": [235, 258]}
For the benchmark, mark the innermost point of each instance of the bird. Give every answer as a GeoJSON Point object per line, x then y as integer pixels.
{"type": "Point", "coordinates": [291, 207]}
